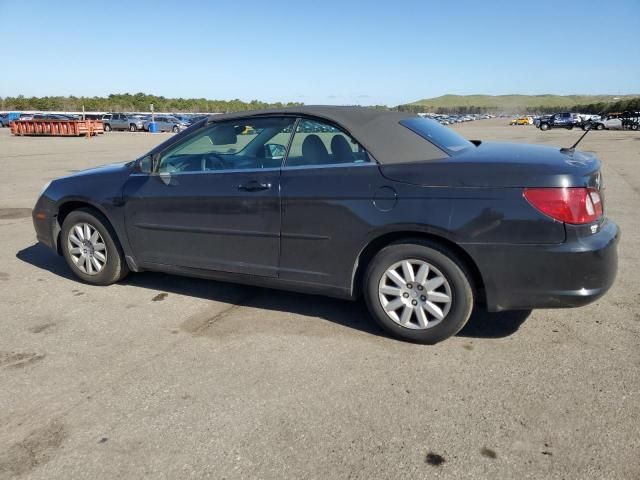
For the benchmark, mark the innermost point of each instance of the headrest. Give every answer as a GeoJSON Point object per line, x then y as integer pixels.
{"type": "Point", "coordinates": [223, 135]}
{"type": "Point", "coordinates": [314, 151]}
{"type": "Point", "coordinates": [341, 150]}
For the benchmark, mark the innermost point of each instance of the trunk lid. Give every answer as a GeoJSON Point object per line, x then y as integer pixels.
{"type": "Point", "coordinates": [502, 165]}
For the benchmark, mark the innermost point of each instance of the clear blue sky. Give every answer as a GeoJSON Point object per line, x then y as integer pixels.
{"type": "Point", "coordinates": [330, 52]}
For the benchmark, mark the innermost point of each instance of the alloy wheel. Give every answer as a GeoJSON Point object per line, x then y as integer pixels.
{"type": "Point", "coordinates": [415, 294]}
{"type": "Point", "coordinates": [87, 248]}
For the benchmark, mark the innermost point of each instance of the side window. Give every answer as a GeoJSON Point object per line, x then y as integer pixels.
{"type": "Point", "coordinates": [321, 143]}
{"type": "Point", "coordinates": [242, 144]}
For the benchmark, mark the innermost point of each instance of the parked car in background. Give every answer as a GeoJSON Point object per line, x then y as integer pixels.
{"type": "Point", "coordinates": [51, 116]}
{"type": "Point", "coordinates": [560, 120]}
{"type": "Point", "coordinates": [7, 118]}
{"type": "Point", "coordinates": [197, 118]}
{"type": "Point", "coordinates": [124, 121]}
{"type": "Point", "coordinates": [631, 120]}
{"type": "Point", "coordinates": [184, 119]}
{"type": "Point", "coordinates": [519, 121]}
{"type": "Point", "coordinates": [617, 121]}
{"type": "Point", "coordinates": [359, 202]}
{"type": "Point", "coordinates": [94, 116]}
{"type": "Point", "coordinates": [166, 123]}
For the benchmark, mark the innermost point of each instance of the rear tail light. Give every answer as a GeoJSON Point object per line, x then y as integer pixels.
{"type": "Point", "coordinates": [576, 205]}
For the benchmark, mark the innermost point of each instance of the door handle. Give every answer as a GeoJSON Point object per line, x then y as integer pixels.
{"type": "Point", "coordinates": [254, 186]}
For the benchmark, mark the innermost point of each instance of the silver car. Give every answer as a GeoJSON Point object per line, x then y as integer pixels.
{"type": "Point", "coordinates": [124, 121]}
{"type": "Point", "coordinates": [167, 123]}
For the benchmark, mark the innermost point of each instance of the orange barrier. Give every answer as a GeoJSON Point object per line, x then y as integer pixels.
{"type": "Point", "coordinates": [57, 128]}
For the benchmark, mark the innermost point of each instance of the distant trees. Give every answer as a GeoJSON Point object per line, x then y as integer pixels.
{"type": "Point", "coordinates": [139, 102]}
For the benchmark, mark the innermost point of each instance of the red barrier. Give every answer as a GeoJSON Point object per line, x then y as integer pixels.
{"type": "Point", "coordinates": [56, 128]}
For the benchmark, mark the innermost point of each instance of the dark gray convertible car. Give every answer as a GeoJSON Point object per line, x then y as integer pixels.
{"type": "Point", "coordinates": [346, 202]}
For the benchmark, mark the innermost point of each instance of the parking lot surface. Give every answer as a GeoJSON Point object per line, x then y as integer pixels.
{"type": "Point", "coordinates": [169, 377]}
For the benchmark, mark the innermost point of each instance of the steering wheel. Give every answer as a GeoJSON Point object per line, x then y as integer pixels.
{"type": "Point", "coordinates": [212, 161]}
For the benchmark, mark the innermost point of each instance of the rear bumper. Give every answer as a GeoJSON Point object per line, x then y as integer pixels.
{"type": "Point", "coordinates": [571, 274]}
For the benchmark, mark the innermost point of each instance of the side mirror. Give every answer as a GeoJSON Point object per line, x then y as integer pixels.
{"type": "Point", "coordinates": [144, 165]}
{"type": "Point", "coordinates": [274, 151]}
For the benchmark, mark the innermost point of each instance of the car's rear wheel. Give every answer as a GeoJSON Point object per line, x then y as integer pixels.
{"type": "Point", "coordinates": [133, 128]}
{"type": "Point", "coordinates": [107, 127]}
{"type": "Point", "coordinates": [418, 291]}
{"type": "Point", "coordinates": [634, 126]}
{"type": "Point", "coordinates": [91, 248]}
{"type": "Point", "coordinates": [600, 127]}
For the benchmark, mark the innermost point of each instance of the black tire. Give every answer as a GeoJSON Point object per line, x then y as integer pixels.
{"type": "Point", "coordinates": [107, 127]}
{"type": "Point", "coordinates": [115, 268]}
{"type": "Point", "coordinates": [544, 126]}
{"type": "Point", "coordinates": [133, 128]}
{"type": "Point", "coordinates": [570, 127]}
{"type": "Point", "coordinates": [600, 127]}
{"type": "Point", "coordinates": [634, 126]}
{"type": "Point", "coordinates": [175, 129]}
{"type": "Point", "coordinates": [438, 256]}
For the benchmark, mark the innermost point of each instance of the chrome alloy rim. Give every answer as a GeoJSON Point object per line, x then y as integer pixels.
{"type": "Point", "coordinates": [415, 294]}
{"type": "Point", "coordinates": [87, 248]}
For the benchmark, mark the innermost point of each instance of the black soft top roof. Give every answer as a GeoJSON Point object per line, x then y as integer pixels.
{"type": "Point", "coordinates": [379, 131]}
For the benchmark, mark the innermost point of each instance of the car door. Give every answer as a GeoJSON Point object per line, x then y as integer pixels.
{"type": "Point", "coordinates": [613, 123]}
{"type": "Point", "coordinates": [328, 185]}
{"type": "Point", "coordinates": [212, 202]}
{"type": "Point", "coordinates": [118, 122]}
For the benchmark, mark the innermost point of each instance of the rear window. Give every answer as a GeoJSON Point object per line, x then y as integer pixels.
{"type": "Point", "coordinates": [439, 135]}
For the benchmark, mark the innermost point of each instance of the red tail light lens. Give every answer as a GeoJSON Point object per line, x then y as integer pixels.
{"type": "Point", "coordinates": [576, 205]}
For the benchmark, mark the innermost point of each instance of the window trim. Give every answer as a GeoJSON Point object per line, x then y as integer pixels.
{"type": "Point", "coordinates": [157, 152]}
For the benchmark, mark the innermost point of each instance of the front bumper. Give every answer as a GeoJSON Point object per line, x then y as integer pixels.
{"type": "Point", "coordinates": [45, 222]}
{"type": "Point", "coordinates": [571, 274]}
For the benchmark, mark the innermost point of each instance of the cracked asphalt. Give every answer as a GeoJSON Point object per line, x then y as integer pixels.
{"type": "Point", "coordinates": [168, 377]}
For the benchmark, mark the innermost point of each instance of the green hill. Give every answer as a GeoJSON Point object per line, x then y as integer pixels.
{"type": "Point", "coordinates": [512, 103]}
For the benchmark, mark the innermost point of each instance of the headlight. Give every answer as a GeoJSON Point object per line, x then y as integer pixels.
{"type": "Point", "coordinates": [44, 189]}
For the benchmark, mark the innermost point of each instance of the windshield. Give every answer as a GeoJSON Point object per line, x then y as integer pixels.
{"type": "Point", "coordinates": [438, 134]}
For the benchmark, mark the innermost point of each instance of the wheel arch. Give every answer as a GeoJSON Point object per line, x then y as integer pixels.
{"type": "Point", "coordinates": [69, 205]}
{"type": "Point", "coordinates": [378, 243]}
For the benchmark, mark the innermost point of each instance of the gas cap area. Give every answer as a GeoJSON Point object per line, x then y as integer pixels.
{"type": "Point", "coordinates": [385, 198]}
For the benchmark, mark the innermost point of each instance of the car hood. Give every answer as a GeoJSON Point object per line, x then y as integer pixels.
{"type": "Point", "coordinates": [102, 170]}
{"type": "Point", "coordinates": [493, 164]}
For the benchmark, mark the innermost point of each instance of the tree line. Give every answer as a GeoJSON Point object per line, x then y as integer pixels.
{"type": "Point", "coordinates": [139, 102]}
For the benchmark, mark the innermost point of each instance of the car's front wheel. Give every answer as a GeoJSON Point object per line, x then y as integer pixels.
{"type": "Point", "coordinates": [107, 127]}
{"type": "Point", "coordinates": [544, 126]}
{"type": "Point", "coordinates": [133, 128]}
{"type": "Point", "coordinates": [418, 291]}
{"type": "Point", "coordinates": [175, 129]}
{"type": "Point", "coordinates": [91, 248]}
